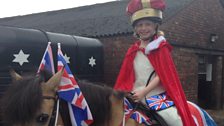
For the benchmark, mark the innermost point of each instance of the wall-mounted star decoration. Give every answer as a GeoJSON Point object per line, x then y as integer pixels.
{"type": "Point", "coordinates": [67, 58]}
{"type": "Point", "coordinates": [21, 58]}
{"type": "Point", "coordinates": [92, 61]}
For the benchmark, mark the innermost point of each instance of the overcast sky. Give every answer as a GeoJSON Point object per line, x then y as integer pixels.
{"type": "Point", "coordinates": [11, 8]}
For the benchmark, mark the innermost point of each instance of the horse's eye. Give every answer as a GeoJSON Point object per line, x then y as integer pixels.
{"type": "Point", "coordinates": [42, 118]}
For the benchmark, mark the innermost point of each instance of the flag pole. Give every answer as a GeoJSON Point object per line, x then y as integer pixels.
{"type": "Point", "coordinates": [59, 45]}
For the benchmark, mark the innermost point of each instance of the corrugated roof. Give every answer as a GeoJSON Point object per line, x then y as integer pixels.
{"type": "Point", "coordinates": [95, 20]}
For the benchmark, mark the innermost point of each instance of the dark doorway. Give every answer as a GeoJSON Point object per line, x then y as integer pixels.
{"type": "Point", "coordinates": [204, 87]}
{"type": "Point", "coordinates": [205, 81]}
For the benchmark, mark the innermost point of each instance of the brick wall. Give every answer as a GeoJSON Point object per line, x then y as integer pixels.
{"type": "Point", "coordinates": [115, 49]}
{"type": "Point", "coordinates": [193, 25]}
{"type": "Point", "coordinates": [190, 27]}
{"type": "Point", "coordinates": [186, 64]}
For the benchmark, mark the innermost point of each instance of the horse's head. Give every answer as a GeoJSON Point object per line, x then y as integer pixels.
{"type": "Point", "coordinates": [29, 100]}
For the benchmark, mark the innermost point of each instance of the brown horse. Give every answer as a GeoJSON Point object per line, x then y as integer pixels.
{"type": "Point", "coordinates": [30, 101]}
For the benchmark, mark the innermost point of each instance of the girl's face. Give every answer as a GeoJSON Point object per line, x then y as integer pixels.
{"type": "Point", "coordinates": [145, 29]}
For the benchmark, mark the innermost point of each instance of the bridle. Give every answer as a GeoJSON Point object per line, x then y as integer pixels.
{"type": "Point", "coordinates": [43, 117]}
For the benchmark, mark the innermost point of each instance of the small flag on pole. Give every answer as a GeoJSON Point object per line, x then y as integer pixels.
{"type": "Point", "coordinates": [47, 61]}
{"type": "Point", "coordinates": [134, 114]}
{"type": "Point", "coordinates": [69, 91]}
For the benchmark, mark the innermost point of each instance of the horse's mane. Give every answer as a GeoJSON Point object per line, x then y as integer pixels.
{"type": "Point", "coordinates": [21, 102]}
{"type": "Point", "coordinates": [98, 99]}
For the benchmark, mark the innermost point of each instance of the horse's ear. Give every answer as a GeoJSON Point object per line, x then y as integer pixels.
{"type": "Point", "coordinates": [15, 76]}
{"type": "Point", "coordinates": [54, 81]}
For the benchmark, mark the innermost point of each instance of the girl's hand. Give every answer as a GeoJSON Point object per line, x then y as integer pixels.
{"type": "Point", "coordinates": [138, 95]}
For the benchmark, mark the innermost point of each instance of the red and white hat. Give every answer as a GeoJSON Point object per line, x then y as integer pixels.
{"type": "Point", "coordinates": [138, 9]}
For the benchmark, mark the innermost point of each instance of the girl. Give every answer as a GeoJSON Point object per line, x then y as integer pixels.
{"type": "Point", "coordinates": [148, 70]}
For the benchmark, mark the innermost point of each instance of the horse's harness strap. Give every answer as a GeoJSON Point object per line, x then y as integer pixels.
{"type": "Point", "coordinates": [150, 76]}
{"type": "Point", "coordinates": [49, 97]}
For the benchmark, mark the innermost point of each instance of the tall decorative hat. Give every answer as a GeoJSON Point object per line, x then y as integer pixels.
{"type": "Point", "coordinates": [152, 9]}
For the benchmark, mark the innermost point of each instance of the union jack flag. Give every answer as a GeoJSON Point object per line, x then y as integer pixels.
{"type": "Point", "coordinates": [136, 115]}
{"type": "Point", "coordinates": [47, 61]}
{"type": "Point", "coordinates": [141, 118]}
{"type": "Point", "coordinates": [127, 106]}
{"type": "Point", "coordinates": [69, 91]}
{"type": "Point", "coordinates": [159, 102]}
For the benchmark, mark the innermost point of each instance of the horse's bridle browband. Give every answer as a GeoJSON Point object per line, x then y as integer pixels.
{"type": "Point", "coordinates": [49, 97]}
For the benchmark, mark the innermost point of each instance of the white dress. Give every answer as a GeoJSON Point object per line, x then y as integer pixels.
{"type": "Point", "coordinates": [143, 69]}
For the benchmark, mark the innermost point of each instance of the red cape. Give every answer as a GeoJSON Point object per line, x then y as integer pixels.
{"type": "Point", "coordinates": [163, 64]}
